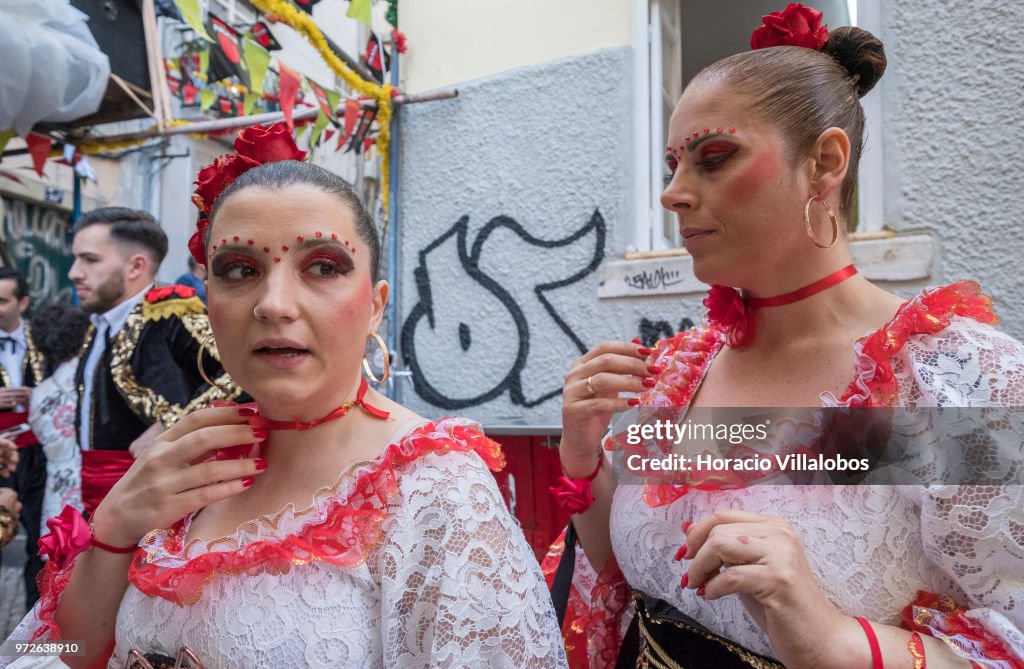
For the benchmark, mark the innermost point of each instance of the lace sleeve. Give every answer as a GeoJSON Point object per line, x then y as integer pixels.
{"type": "Point", "coordinates": [975, 534]}
{"type": "Point", "coordinates": [460, 586]}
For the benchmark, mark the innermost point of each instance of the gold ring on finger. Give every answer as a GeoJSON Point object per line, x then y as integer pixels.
{"type": "Point", "coordinates": [590, 385]}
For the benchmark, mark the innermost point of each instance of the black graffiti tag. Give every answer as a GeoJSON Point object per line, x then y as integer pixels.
{"type": "Point", "coordinates": [468, 346]}
{"type": "Point", "coordinates": [659, 278]}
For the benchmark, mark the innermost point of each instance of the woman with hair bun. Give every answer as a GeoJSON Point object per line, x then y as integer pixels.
{"type": "Point", "coordinates": [762, 151]}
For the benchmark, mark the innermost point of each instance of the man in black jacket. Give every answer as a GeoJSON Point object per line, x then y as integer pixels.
{"type": "Point", "coordinates": [137, 372]}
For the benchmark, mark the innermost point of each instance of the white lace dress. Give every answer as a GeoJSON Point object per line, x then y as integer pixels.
{"type": "Point", "coordinates": [872, 548]}
{"type": "Point", "coordinates": [438, 574]}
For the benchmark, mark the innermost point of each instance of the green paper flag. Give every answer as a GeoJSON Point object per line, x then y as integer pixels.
{"type": "Point", "coordinates": [360, 11]}
{"type": "Point", "coordinates": [5, 137]}
{"type": "Point", "coordinates": [334, 97]}
{"type": "Point", "coordinates": [207, 98]}
{"type": "Point", "coordinates": [318, 128]}
{"type": "Point", "coordinates": [189, 10]}
{"type": "Point", "coordinates": [258, 60]}
{"type": "Point", "coordinates": [204, 62]}
{"type": "Point", "coordinates": [250, 101]}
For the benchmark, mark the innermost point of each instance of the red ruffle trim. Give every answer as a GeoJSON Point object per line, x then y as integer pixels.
{"type": "Point", "coordinates": [929, 313]}
{"type": "Point", "coordinates": [348, 535]}
{"type": "Point", "coordinates": [592, 634]}
{"type": "Point", "coordinates": [52, 582]}
{"type": "Point", "coordinates": [944, 619]}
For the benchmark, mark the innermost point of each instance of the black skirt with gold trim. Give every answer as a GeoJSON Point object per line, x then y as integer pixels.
{"type": "Point", "coordinates": [669, 639]}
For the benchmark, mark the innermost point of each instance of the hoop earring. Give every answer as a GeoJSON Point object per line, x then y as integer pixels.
{"type": "Point", "coordinates": [387, 361]}
{"type": "Point", "coordinates": [202, 372]}
{"type": "Point", "coordinates": [831, 217]}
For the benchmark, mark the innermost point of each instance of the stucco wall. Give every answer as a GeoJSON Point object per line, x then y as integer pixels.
{"type": "Point", "coordinates": [952, 98]}
{"type": "Point", "coordinates": [511, 195]}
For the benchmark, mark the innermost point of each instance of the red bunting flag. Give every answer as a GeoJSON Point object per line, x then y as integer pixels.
{"type": "Point", "coordinates": [351, 115]}
{"type": "Point", "coordinates": [190, 94]}
{"type": "Point", "coordinates": [39, 149]}
{"type": "Point", "coordinates": [289, 89]}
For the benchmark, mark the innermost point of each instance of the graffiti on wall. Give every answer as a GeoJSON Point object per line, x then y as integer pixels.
{"type": "Point", "coordinates": [467, 340]}
{"type": "Point", "coordinates": [652, 331]}
{"type": "Point", "coordinates": [37, 242]}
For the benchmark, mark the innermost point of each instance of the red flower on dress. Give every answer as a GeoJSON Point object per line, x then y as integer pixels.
{"type": "Point", "coordinates": [796, 25]}
{"type": "Point", "coordinates": [573, 495]}
{"type": "Point", "coordinates": [163, 292]}
{"type": "Point", "coordinates": [728, 312]}
{"type": "Point", "coordinates": [69, 535]}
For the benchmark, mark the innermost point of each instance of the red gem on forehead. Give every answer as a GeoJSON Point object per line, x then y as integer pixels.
{"type": "Point", "coordinates": [235, 238]}
{"type": "Point", "coordinates": [266, 249]}
{"type": "Point", "coordinates": [276, 259]}
{"type": "Point", "coordinates": [707, 131]}
{"type": "Point", "coordinates": [299, 238]}
{"type": "Point", "coordinates": [285, 249]}
{"type": "Point", "coordinates": [334, 235]}
{"type": "Point", "coordinates": [319, 234]}
{"type": "Point", "coordinates": [732, 130]}
{"type": "Point", "coordinates": [250, 242]}
{"type": "Point", "coordinates": [223, 241]}
{"type": "Point", "coordinates": [719, 130]}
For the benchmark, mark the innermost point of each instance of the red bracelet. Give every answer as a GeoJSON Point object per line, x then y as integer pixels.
{"type": "Point", "coordinates": [107, 547]}
{"type": "Point", "coordinates": [876, 650]}
{"type": "Point", "coordinates": [575, 495]}
{"type": "Point", "coordinates": [916, 648]}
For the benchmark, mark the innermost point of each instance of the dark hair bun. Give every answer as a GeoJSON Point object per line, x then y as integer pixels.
{"type": "Point", "coordinates": [860, 52]}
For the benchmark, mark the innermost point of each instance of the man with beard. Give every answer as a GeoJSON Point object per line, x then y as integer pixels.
{"type": "Point", "coordinates": [137, 372]}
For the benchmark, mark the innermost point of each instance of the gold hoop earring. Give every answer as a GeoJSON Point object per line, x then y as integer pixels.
{"type": "Point", "coordinates": [202, 372]}
{"type": "Point", "coordinates": [831, 217]}
{"type": "Point", "coordinates": [387, 361]}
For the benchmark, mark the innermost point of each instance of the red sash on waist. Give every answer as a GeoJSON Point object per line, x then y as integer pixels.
{"type": "Point", "coordinates": [12, 418]}
{"type": "Point", "coordinates": [100, 471]}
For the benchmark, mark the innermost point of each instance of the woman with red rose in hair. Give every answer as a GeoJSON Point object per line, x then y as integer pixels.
{"type": "Point", "coordinates": [763, 150]}
{"type": "Point", "coordinates": [323, 525]}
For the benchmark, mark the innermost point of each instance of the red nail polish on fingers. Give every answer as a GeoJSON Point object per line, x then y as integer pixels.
{"type": "Point", "coordinates": [248, 481]}
{"type": "Point", "coordinates": [643, 350]}
{"type": "Point", "coordinates": [247, 410]}
{"type": "Point", "coordinates": [260, 433]}
{"type": "Point", "coordinates": [261, 464]}
{"type": "Point", "coordinates": [700, 591]}
{"type": "Point", "coordinates": [681, 553]}
{"type": "Point", "coordinates": [684, 581]}
{"type": "Point", "coordinates": [655, 369]}
{"type": "Point", "coordinates": [649, 382]}
{"type": "Point", "coordinates": [636, 340]}
{"type": "Point", "coordinates": [632, 401]}
{"type": "Point", "coordinates": [257, 421]}
{"type": "Point", "coordinates": [687, 524]}
{"type": "Point", "coordinates": [223, 403]}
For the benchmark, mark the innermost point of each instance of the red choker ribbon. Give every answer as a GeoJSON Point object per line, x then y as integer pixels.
{"type": "Point", "coordinates": [731, 313]}
{"type": "Point", "coordinates": [337, 413]}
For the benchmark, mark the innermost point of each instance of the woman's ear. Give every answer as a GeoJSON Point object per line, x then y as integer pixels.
{"type": "Point", "coordinates": [828, 161]}
{"type": "Point", "coordinates": [379, 302]}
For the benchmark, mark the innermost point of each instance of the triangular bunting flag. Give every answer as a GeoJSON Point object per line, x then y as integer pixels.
{"type": "Point", "coordinates": [290, 83]}
{"type": "Point", "coordinates": [261, 33]}
{"type": "Point", "coordinates": [5, 137]}
{"type": "Point", "coordinates": [328, 133]}
{"type": "Point", "coordinates": [250, 102]}
{"type": "Point", "coordinates": [362, 128]}
{"type": "Point", "coordinates": [190, 11]}
{"type": "Point", "coordinates": [206, 99]}
{"type": "Point", "coordinates": [39, 149]}
{"type": "Point", "coordinates": [258, 60]}
{"type": "Point", "coordinates": [189, 94]}
{"type": "Point", "coordinates": [376, 58]}
{"type": "Point", "coordinates": [323, 99]}
{"type": "Point", "coordinates": [314, 136]}
{"type": "Point", "coordinates": [174, 83]}
{"type": "Point", "coordinates": [360, 10]}
{"type": "Point", "coordinates": [306, 5]}
{"type": "Point", "coordinates": [226, 57]}
{"type": "Point", "coordinates": [351, 116]}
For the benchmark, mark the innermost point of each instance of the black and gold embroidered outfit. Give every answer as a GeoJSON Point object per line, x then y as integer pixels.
{"type": "Point", "coordinates": [149, 373]}
{"type": "Point", "coordinates": [33, 365]}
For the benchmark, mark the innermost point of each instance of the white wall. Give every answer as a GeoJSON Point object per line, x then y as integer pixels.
{"type": "Point", "coordinates": [454, 40]}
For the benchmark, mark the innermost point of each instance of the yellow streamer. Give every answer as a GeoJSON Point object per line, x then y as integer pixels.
{"type": "Point", "coordinates": [287, 12]}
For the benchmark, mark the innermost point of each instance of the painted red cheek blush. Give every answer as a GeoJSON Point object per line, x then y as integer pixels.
{"type": "Point", "coordinates": [761, 171]}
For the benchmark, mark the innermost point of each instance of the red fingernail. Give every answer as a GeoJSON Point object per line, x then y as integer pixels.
{"type": "Point", "coordinates": [684, 581]}
{"type": "Point", "coordinates": [247, 410]}
{"type": "Point", "coordinates": [248, 481]}
{"type": "Point", "coordinates": [632, 401]}
{"type": "Point", "coordinates": [260, 433]}
{"type": "Point", "coordinates": [681, 553]}
{"type": "Point", "coordinates": [261, 464]}
{"type": "Point", "coordinates": [649, 382]}
{"type": "Point", "coordinates": [258, 421]}
{"type": "Point", "coordinates": [700, 591]}
{"type": "Point", "coordinates": [687, 525]}
{"type": "Point", "coordinates": [655, 369]}
{"type": "Point", "coordinates": [643, 350]}
{"type": "Point", "coordinates": [223, 403]}
{"type": "Point", "coordinates": [636, 340]}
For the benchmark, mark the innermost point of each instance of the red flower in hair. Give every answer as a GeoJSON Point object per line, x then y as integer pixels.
{"type": "Point", "coordinates": [213, 179]}
{"type": "Point", "coordinates": [727, 310]}
{"type": "Point", "coordinates": [197, 242]}
{"type": "Point", "coordinates": [268, 144]}
{"type": "Point", "coordinates": [796, 25]}
{"type": "Point", "coordinates": [398, 39]}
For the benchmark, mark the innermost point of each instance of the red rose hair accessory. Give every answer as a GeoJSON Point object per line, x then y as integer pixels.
{"type": "Point", "coordinates": [254, 146]}
{"type": "Point", "coordinates": [796, 25]}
